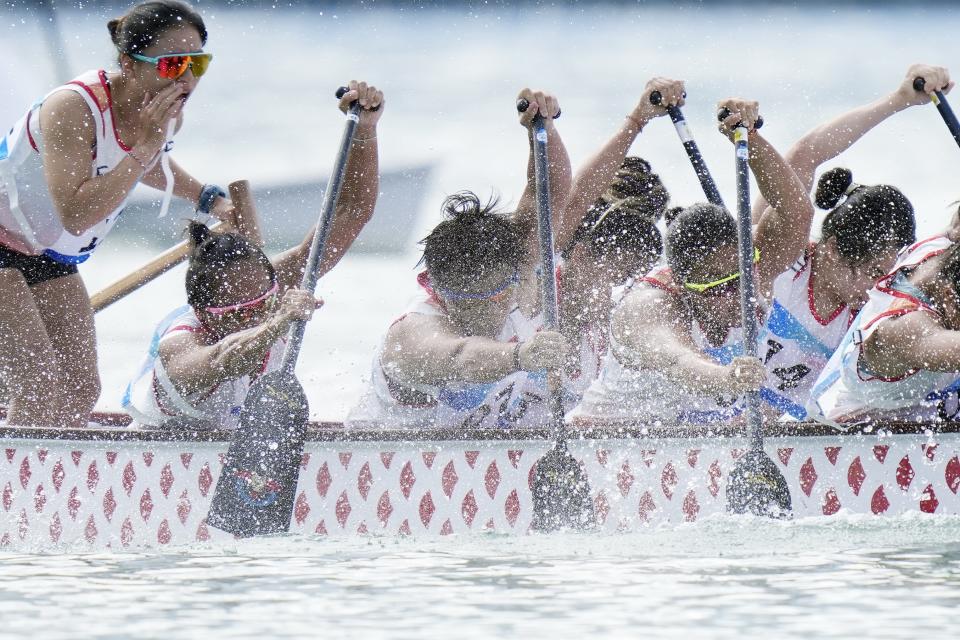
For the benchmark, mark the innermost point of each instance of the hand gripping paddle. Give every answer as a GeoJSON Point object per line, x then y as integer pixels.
{"type": "Point", "coordinates": [561, 490]}
{"type": "Point", "coordinates": [255, 493]}
{"type": "Point", "coordinates": [756, 485]}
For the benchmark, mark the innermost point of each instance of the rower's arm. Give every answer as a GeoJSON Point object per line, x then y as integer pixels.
{"type": "Point", "coordinates": [644, 330]}
{"type": "Point", "coordinates": [358, 197]}
{"type": "Point", "coordinates": [910, 342]}
{"type": "Point", "coordinates": [68, 136]}
{"type": "Point", "coordinates": [830, 139]}
{"type": "Point", "coordinates": [422, 349]}
{"type": "Point", "coordinates": [193, 366]}
{"type": "Point", "coordinates": [784, 229]}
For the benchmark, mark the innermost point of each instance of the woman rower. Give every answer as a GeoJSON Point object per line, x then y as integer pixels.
{"type": "Point", "coordinates": [676, 335]}
{"type": "Point", "coordinates": [816, 299]}
{"type": "Point", "coordinates": [465, 354]}
{"type": "Point", "coordinates": [901, 356]}
{"type": "Point", "coordinates": [204, 357]}
{"type": "Point", "coordinates": [67, 169]}
{"type": "Point", "coordinates": [617, 201]}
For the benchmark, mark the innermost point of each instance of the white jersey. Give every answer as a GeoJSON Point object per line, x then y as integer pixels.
{"type": "Point", "coordinates": [795, 342]}
{"type": "Point", "coordinates": [847, 390]}
{"type": "Point", "coordinates": [519, 399]}
{"type": "Point", "coordinates": [152, 400]}
{"type": "Point", "coordinates": [628, 393]}
{"type": "Point", "coordinates": [29, 221]}
{"type": "Point", "coordinates": [594, 341]}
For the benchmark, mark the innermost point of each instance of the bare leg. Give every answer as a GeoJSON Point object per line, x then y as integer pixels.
{"type": "Point", "coordinates": [64, 306]}
{"type": "Point", "coordinates": [28, 363]}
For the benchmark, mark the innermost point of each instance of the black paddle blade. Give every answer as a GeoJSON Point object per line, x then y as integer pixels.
{"type": "Point", "coordinates": [757, 486]}
{"type": "Point", "coordinates": [561, 493]}
{"type": "Point", "coordinates": [255, 493]}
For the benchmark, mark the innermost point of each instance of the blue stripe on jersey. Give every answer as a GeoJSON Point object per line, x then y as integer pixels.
{"type": "Point", "coordinates": [782, 404]}
{"type": "Point", "coordinates": [3, 148]}
{"type": "Point", "coordinates": [466, 398]}
{"type": "Point", "coordinates": [63, 258]}
{"type": "Point", "coordinates": [783, 324]}
{"type": "Point", "coordinates": [726, 353]}
{"type": "Point", "coordinates": [153, 352]}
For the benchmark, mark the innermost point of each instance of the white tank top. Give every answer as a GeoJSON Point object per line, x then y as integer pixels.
{"type": "Point", "coordinates": [795, 342]}
{"type": "Point", "coordinates": [627, 393]}
{"type": "Point", "coordinates": [519, 399]}
{"type": "Point", "coordinates": [29, 221]}
{"type": "Point", "coordinates": [152, 400]}
{"type": "Point", "coordinates": [846, 389]}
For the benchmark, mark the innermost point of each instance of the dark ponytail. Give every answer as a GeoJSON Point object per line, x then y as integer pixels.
{"type": "Point", "coordinates": [211, 253]}
{"type": "Point", "coordinates": [143, 23]}
{"type": "Point", "coordinates": [871, 220]}
{"type": "Point", "coordinates": [624, 218]}
{"type": "Point", "coordinates": [694, 234]}
{"type": "Point", "coordinates": [473, 241]}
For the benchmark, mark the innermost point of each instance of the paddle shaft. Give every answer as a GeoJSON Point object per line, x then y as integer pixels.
{"type": "Point", "coordinates": [548, 275]}
{"type": "Point", "coordinates": [327, 211]}
{"type": "Point", "coordinates": [144, 275]}
{"type": "Point", "coordinates": [748, 297]}
{"type": "Point", "coordinates": [949, 118]}
{"type": "Point", "coordinates": [693, 152]}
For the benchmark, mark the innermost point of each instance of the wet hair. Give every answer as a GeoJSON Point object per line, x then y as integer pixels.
{"type": "Point", "coordinates": [475, 240]}
{"type": "Point", "coordinates": [211, 253]}
{"type": "Point", "coordinates": [868, 221]}
{"type": "Point", "coordinates": [694, 234]}
{"type": "Point", "coordinates": [137, 29]}
{"type": "Point", "coordinates": [624, 218]}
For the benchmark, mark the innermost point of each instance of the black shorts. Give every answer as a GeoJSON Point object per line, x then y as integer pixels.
{"type": "Point", "coordinates": [35, 269]}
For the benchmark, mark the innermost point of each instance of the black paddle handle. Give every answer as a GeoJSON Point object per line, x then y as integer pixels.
{"type": "Point", "coordinates": [919, 84]}
{"type": "Point", "coordinates": [342, 91]}
{"type": "Point", "coordinates": [725, 113]}
{"type": "Point", "coordinates": [325, 223]}
{"type": "Point", "coordinates": [748, 295]}
{"type": "Point", "coordinates": [693, 151]}
{"type": "Point", "coordinates": [523, 104]}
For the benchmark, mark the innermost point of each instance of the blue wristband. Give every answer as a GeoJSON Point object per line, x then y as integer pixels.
{"type": "Point", "coordinates": [208, 195]}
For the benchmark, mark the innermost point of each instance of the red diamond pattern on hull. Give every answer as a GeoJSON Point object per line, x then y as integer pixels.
{"type": "Point", "coordinates": [143, 497]}
{"type": "Point", "coordinates": [856, 475]}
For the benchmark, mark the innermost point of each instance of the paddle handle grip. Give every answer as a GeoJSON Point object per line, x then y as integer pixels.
{"type": "Point", "coordinates": [656, 97]}
{"type": "Point", "coordinates": [523, 104]}
{"type": "Point", "coordinates": [949, 118]}
{"type": "Point", "coordinates": [342, 91]}
{"type": "Point", "coordinates": [725, 113]}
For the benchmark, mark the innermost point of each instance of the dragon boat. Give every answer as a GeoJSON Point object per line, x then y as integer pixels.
{"type": "Point", "coordinates": [112, 485]}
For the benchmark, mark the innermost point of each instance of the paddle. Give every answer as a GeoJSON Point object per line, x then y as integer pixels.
{"type": "Point", "coordinates": [255, 493]}
{"type": "Point", "coordinates": [693, 152]}
{"type": "Point", "coordinates": [246, 223]}
{"type": "Point", "coordinates": [943, 107]}
{"type": "Point", "coordinates": [561, 491]}
{"type": "Point", "coordinates": [756, 484]}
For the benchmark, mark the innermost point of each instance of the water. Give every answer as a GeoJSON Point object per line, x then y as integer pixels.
{"type": "Point", "coordinates": [264, 112]}
{"type": "Point", "coordinates": [828, 578]}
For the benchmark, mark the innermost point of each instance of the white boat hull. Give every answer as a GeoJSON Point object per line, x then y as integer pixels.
{"type": "Point", "coordinates": [147, 492]}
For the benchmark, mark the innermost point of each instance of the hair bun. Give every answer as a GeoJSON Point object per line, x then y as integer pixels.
{"type": "Point", "coordinates": [114, 27]}
{"type": "Point", "coordinates": [832, 186]}
{"type": "Point", "coordinates": [671, 214]}
{"type": "Point", "coordinates": [466, 207]}
{"type": "Point", "coordinates": [199, 233]}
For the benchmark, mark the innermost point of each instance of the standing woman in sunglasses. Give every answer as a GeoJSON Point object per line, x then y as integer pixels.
{"type": "Point", "coordinates": [67, 169]}
{"type": "Point", "coordinates": [676, 338]}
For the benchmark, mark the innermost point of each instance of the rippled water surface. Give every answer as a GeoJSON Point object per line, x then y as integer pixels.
{"type": "Point", "coordinates": [843, 577]}
{"type": "Point", "coordinates": [450, 77]}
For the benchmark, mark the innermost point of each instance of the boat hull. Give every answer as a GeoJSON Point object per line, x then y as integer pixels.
{"type": "Point", "coordinates": [122, 488]}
